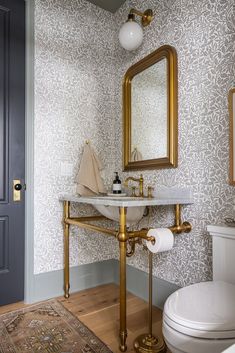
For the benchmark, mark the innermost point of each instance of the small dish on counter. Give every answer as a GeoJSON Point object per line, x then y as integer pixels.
{"type": "Point", "coordinates": [116, 195]}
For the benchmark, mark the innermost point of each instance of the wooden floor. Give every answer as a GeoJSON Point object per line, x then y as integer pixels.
{"type": "Point", "coordinates": [98, 309]}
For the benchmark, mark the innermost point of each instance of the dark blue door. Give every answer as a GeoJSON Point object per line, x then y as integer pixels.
{"type": "Point", "coordinates": [12, 150]}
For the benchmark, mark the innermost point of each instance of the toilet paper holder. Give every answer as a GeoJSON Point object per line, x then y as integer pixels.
{"type": "Point", "coordinates": [147, 342]}
{"type": "Point", "coordinates": [178, 228]}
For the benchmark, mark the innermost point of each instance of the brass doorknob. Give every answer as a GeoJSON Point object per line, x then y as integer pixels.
{"type": "Point", "coordinates": [18, 187]}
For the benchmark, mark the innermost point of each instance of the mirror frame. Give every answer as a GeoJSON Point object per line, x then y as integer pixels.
{"type": "Point", "coordinates": [171, 160]}
{"type": "Point", "coordinates": [231, 136]}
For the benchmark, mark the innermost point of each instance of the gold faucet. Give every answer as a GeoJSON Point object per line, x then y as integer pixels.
{"type": "Point", "coordinates": [140, 180]}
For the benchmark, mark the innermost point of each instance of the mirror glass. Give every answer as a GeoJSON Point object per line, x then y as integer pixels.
{"type": "Point", "coordinates": [150, 111]}
{"type": "Point", "coordinates": [232, 135]}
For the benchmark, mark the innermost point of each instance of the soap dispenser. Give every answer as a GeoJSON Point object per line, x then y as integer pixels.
{"type": "Point", "coordinates": [117, 185]}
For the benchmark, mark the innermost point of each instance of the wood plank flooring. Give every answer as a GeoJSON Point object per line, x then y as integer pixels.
{"type": "Point", "coordinates": [98, 309]}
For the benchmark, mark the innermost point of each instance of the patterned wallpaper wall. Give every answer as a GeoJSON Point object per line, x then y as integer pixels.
{"type": "Point", "coordinates": [74, 101]}
{"type": "Point", "coordinates": [78, 75]}
{"type": "Point", "coordinates": [203, 33]}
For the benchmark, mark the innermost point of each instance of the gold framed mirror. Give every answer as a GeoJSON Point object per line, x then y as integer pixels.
{"type": "Point", "coordinates": [150, 122]}
{"type": "Point", "coordinates": [231, 98]}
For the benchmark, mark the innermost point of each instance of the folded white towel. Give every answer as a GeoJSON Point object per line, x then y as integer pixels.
{"type": "Point", "coordinates": [88, 178]}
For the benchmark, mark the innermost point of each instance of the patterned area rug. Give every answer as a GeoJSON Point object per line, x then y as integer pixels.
{"type": "Point", "coordinates": [46, 327]}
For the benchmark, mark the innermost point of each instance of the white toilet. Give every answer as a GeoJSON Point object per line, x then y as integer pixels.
{"type": "Point", "coordinates": [201, 318]}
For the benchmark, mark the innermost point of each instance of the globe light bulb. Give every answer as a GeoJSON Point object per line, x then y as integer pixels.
{"type": "Point", "coordinates": [131, 35]}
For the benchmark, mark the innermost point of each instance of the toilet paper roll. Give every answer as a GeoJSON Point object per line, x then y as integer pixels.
{"type": "Point", "coordinates": [164, 240]}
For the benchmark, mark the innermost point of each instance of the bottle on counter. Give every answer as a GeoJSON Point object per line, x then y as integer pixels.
{"type": "Point", "coordinates": [117, 185]}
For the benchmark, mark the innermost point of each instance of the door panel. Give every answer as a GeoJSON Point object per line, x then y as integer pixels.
{"type": "Point", "coordinates": [4, 245]}
{"type": "Point", "coordinates": [12, 151]}
{"type": "Point", "coordinates": [4, 94]}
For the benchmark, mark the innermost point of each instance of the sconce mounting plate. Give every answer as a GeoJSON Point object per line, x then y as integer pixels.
{"type": "Point", "coordinates": [147, 17]}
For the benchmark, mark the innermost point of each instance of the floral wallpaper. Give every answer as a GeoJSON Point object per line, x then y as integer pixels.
{"type": "Point", "coordinates": [203, 33]}
{"type": "Point", "coordinates": [74, 101]}
{"type": "Point", "coordinates": [79, 67]}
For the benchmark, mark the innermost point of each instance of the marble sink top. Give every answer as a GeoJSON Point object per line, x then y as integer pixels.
{"type": "Point", "coordinates": [126, 201]}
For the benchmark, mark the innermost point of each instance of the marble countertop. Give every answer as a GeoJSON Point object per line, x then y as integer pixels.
{"type": "Point", "coordinates": [125, 201]}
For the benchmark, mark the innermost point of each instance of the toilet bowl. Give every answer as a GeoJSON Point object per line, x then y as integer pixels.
{"type": "Point", "coordinates": [200, 318]}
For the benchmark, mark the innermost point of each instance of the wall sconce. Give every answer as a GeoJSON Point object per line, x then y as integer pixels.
{"type": "Point", "coordinates": [131, 33]}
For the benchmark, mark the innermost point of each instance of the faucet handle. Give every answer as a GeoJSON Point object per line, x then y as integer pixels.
{"type": "Point", "coordinates": [150, 189]}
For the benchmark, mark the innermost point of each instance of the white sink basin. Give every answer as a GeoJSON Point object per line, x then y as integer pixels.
{"type": "Point", "coordinates": [133, 215]}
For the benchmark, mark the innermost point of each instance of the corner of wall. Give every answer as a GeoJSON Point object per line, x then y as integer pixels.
{"type": "Point", "coordinates": [29, 201]}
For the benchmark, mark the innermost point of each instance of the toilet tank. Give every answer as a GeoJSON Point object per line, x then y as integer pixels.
{"type": "Point", "coordinates": [223, 245]}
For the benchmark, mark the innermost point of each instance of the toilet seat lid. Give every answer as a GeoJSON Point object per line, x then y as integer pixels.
{"type": "Point", "coordinates": [204, 309]}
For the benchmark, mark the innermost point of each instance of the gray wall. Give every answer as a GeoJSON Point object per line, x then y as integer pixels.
{"type": "Point", "coordinates": [74, 101]}
{"type": "Point", "coordinates": [203, 33]}
{"type": "Point", "coordinates": [79, 67]}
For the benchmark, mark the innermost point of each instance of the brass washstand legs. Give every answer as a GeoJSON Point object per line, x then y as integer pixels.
{"type": "Point", "coordinates": [66, 248]}
{"type": "Point", "coordinates": [122, 237]}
